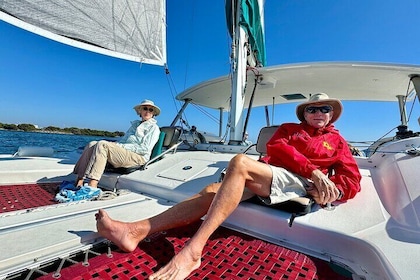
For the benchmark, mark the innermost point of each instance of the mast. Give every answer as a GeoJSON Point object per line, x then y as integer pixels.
{"type": "Point", "coordinates": [238, 82]}
{"type": "Point", "coordinates": [248, 50]}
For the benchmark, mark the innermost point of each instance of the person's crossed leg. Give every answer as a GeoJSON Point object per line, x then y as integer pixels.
{"type": "Point", "coordinates": [218, 200]}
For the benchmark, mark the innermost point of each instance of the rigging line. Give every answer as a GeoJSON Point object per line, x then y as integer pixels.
{"type": "Point", "coordinates": [228, 123]}
{"type": "Point", "coordinates": [205, 112]}
{"type": "Point", "coordinates": [189, 44]}
{"type": "Point", "coordinates": [412, 108]}
{"type": "Point", "coordinates": [405, 100]}
{"type": "Point", "coordinates": [226, 131]}
{"type": "Point", "coordinates": [232, 33]}
{"type": "Point", "coordinates": [251, 101]}
{"type": "Point", "coordinates": [184, 119]}
{"type": "Point", "coordinates": [387, 133]}
{"type": "Point", "coordinates": [408, 152]}
{"type": "Point", "coordinates": [360, 142]}
{"type": "Point", "coordinates": [171, 85]}
{"type": "Point", "coordinates": [229, 47]}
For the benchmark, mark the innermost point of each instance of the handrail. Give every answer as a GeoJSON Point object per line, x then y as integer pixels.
{"type": "Point", "coordinates": [173, 148]}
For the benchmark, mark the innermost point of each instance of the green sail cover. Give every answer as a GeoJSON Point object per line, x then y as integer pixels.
{"type": "Point", "coordinates": [251, 21]}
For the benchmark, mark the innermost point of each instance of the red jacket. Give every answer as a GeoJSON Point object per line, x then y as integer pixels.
{"type": "Point", "coordinates": [301, 148]}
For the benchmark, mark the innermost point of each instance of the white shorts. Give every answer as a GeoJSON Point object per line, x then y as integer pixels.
{"type": "Point", "coordinates": [285, 185]}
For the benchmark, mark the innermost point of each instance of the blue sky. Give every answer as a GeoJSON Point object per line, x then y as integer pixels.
{"type": "Point", "coordinates": [47, 83]}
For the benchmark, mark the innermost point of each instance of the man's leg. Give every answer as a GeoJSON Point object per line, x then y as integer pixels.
{"type": "Point", "coordinates": [127, 235]}
{"type": "Point", "coordinates": [242, 171]}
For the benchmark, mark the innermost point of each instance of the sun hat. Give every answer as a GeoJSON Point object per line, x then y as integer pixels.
{"type": "Point", "coordinates": [147, 102]}
{"type": "Point", "coordinates": [320, 98]}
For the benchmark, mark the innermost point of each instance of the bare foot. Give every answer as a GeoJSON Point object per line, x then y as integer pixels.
{"type": "Point", "coordinates": [125, 235]}
{"type": "Point", "coordinates": [179, 267]}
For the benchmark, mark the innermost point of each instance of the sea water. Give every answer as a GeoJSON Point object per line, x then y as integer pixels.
{"type": "Point", "coordinates": [62, 144]}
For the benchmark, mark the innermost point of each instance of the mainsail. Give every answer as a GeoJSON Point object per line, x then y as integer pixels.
{"type": "Point", "coordinates": [128, 29]}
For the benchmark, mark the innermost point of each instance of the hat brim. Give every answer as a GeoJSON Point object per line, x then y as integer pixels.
{"type": "Point", "coordinates": [156, 109]}
{"type": "Point", "coordinates": [335, 103]}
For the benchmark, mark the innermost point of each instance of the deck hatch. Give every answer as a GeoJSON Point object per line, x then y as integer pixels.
{"type": "Point", "coordinates": [186, 170]}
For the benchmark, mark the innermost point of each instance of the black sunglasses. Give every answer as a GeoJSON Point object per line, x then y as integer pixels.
{"type": "Point", "coordinates": [150, 109]}
{"type": "Point", "coordinates": [322, 109]}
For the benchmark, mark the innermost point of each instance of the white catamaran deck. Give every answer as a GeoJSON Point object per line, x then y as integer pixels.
{"type": "Point", "coordinates": [359, 235]}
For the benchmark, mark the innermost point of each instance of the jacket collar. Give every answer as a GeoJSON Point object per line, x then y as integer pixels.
{"type": "Point", "coordinates": [319, 131]}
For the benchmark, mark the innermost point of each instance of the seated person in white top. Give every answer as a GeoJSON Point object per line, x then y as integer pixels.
{"type": "Point", "coordinates": [133, 149]}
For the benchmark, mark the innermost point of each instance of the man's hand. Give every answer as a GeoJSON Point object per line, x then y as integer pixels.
{"type": "Point", "coordinates": [325, 190]}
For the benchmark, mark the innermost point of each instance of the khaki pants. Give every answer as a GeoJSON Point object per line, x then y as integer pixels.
{"type": "Point", "coordinates": [95, 156]}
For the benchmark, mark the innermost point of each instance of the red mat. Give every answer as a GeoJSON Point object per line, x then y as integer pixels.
{"type": "Point", "coordinates": [27, 196]}
{"type": "Point", "coordinates": [227, 255]}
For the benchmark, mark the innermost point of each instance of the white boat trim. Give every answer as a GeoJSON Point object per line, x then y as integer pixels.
{"type": "Point", "coordinates": [353, 82]}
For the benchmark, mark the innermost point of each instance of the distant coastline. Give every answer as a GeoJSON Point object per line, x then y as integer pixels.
{"type": "Point", "coordinates": [53, 129]}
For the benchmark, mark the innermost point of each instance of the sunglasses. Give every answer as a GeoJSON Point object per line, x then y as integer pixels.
{"type": "Point", "coordinates": [322, 109]}
{"type": "Point", "coordinates": [150, 109]}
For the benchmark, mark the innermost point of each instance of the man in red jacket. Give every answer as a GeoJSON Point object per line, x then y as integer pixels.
{"type": "Point", "coordinates": [307, 158]}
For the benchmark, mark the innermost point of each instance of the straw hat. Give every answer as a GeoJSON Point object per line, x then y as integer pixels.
{"type": "Point", "coordinates": [320, 98]}
{"type": "Point", "coordinates": [150, 103]}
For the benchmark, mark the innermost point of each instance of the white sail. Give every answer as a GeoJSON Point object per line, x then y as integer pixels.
{"type": "Point", "coordinates": [128, 29]}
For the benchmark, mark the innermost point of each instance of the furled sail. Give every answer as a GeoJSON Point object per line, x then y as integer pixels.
{"type": "Point", "coordinates": [128, 29]}
{"type": "Point", "coordinates": [245, 19]}
{"type": "Point", "coordinates": [250, 17]}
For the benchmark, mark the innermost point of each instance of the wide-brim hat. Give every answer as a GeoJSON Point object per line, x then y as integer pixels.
{"type": "Point", "coordinates": [150, 103]}
{"type": "Point", "coordinates": [320, 98]}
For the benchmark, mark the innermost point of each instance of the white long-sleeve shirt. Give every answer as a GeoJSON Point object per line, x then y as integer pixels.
{"type": "Point", "coordinates": [141, 137]}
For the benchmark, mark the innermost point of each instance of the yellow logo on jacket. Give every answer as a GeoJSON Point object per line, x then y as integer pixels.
{"type": "Point", "coordinates": [327, 145]}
